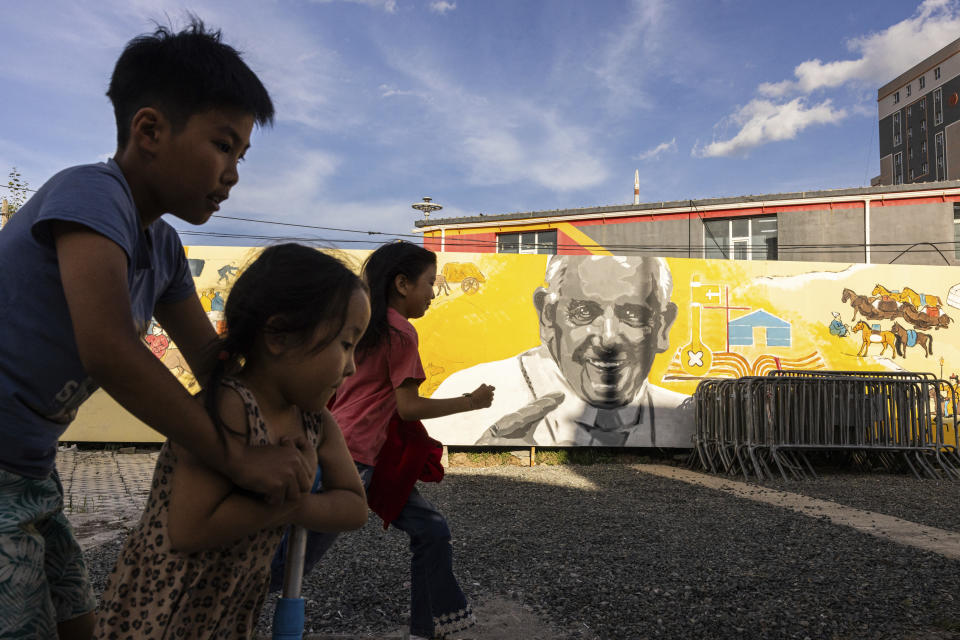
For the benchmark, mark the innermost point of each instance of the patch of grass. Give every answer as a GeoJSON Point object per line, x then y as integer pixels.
{"type": "Point", "coordinates": [591, 455]}
{"type": "Point", "coordinates": [552, 457]}
{"type": "Point", "coordinates": [489, 457]}
{"type": "Point", "coordinates": [482, 458]}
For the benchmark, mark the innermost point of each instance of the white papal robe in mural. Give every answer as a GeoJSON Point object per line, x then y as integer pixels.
{"type": "Point", "coordinates": [657, 417]}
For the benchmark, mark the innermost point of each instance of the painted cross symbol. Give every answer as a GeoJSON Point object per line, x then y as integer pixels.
{"type": "Point", "coordinates": [695, 359]}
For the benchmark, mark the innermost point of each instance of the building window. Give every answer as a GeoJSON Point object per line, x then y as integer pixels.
{"type": "Point", "coordinates": [896, 128]}
{"type": "Point", "coordinates": [908, 90]}
{"type": "Point", "coordinates": [740, 239]}
{"type": "Point", "coordinates": [923, 82]}
{"type": "Point", "coordinates": [909, 134]}
{"type": "Point", "coordinates": [923, 126]}
{"type": "Point", "coordinates": [898, 168]}
{"type": "Point", "coordinates": [924, 168]}
{"type": "Point", "coordinates": [896, 97]}
{"type": "Point", "coordinates": [937, 106]}
{"type": "Point", "coordinates": [923, 148]}
{"type": "Point", "coordinates": [936, 73]}
{"type": "Point", "coordinates": [956, 230]}
{"type": "Point", "coordinates": [938, 156]}
{"type": "Point", "coordinates": [543, 241]}
{"type": "Point", "coordinates": [909, 112]}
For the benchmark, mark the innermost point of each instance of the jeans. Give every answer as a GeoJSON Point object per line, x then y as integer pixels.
{"type": "Point", "coordinates": [437, 604]}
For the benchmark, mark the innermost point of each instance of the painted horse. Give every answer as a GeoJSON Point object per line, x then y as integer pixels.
{"type": "Point", "coordinates": [904, 339]}
{"type": "Point", "coordinates": [883, 292]}
{"type": "Point", "coordinates": [922, 320]}
{"type": "Point", "coordinates": [919, 300]}
{"type": "Point", "coordinates": [874, 336]}
{"type": "Point", "coordinates": [864, 306]}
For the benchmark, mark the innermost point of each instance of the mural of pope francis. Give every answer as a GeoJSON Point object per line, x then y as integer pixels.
{"type": "Point", "coordinates": [602, 320]}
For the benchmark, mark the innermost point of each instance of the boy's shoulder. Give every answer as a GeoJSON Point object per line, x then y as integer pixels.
{"type": "Point", "coordinates": [96, 196]}
{"type": "Point", "coordinates": [85, 186]}
{"type": "Point", "coordinates": [93, 195]}
{"type": "Point", "coordinates": [78, 175]}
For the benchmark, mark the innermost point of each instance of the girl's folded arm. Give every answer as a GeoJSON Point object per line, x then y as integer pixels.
{"type": "Point", "coordinates": [343, 504]}
{"type": "Point", "coordinates": [206, 509]}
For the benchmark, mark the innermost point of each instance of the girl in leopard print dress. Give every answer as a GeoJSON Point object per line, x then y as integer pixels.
{"type": "Point", "coordinates": [198, 563]}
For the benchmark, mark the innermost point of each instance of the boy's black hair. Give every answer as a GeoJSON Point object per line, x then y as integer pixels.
{"type": "Point", "coordinates": [380, 270]}
{"type": "Point", "coordinates": [290, 289]}
{"type": "Point", "coordinates": [182, 74]}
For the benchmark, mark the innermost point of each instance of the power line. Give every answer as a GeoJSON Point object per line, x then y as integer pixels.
{"type": "Point", "coordinates": [9, 188]}
{"type": "Point", "coordinates": [312, 226]}
{"type": "Point", "coordinates": [465, 242]}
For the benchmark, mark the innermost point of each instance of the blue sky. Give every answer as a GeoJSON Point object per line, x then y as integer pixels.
{"type": "Point", "coordinates": [492, 106]}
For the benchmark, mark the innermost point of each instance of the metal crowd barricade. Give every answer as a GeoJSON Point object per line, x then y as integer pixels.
{"type": "Point", "coordinates": [763, 425]}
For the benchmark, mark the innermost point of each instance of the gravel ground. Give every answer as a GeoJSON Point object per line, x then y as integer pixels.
{"type": "Point", "coordinates": [929, 502]}
{"type": "Point", "coordinates": [606, 551]}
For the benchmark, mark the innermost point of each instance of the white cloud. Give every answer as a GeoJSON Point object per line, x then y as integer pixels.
{"type": "Point", "coordinates": [387, 91]}
{"type": "Point", "coordinates": [298, 192]}
{"type": "Point", "coordinates": [390, 6]}
{"type": "Point", "coordinates": [293, 189]}
{"type": "Point", "coordinates": [555, 155]}
{"type": "Point", "coordinates": [309, 81]}
{"type": "Point", "coordinates": [762, 121]}
{"type": "Point", "coordinates": [639, 39]}
{"type": "Point", "coordinates": [661, 148]}
{"type": "Point", "coordinates": [879, 57]}
{"type": "Point", "coordinates": [882, 56]}
{"type": "Point", "coordinates": [503, 139]}
{"type": "Point", "coordinates": [442, 6]}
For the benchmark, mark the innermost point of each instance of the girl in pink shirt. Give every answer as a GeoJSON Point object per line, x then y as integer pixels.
{"type": "Point", "coordinates": [401, 278]}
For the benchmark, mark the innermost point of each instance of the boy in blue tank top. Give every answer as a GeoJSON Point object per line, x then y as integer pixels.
{"type": "Point", "coordinates": [86, 263]}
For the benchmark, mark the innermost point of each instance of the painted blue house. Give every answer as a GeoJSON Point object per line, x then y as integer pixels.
{"type": "Point", "coordinates": [777, 330]}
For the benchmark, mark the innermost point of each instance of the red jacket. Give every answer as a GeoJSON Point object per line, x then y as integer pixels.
{"type": "Point", "coordinates": [409, 454]}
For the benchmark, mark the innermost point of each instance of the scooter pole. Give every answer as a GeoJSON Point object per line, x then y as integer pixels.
{"type": "Point", "coordinates": [288, 617]}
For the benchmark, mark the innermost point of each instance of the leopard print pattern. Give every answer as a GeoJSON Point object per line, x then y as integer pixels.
{"type": "Point", "coordinates": [157, 592]}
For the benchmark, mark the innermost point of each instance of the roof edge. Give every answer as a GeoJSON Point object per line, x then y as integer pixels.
{"type": "Point", "coordinates": [706, 202]}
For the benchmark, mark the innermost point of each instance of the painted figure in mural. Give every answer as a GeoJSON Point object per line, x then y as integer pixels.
{"type": "Point", "coordinates": [157, 340]}
{"type": "Point", "coordinates": [442, 285]}
{"type": "Point", "coordinates": [205, 298]}
{"type": "Point", "coordinates": [837, 328]}
{"type": "Point", "coordinates": [225, 272]}
{"type": "Point", "coordinates": [603, 320]}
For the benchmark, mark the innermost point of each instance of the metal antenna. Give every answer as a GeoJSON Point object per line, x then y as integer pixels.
{"type": "Point", "coordinates": [427, 207]}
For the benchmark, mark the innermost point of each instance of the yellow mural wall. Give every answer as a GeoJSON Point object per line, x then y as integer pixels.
{"type": "Point", "coordinates": [735, 318]}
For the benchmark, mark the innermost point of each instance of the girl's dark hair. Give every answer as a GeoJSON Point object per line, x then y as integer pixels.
{"type": "Point", "coordinates": [290, 289]}
{"type": "Point", "coordinates": [379, 272]}
{"type": "Point", "coordinates": [182, 74]}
